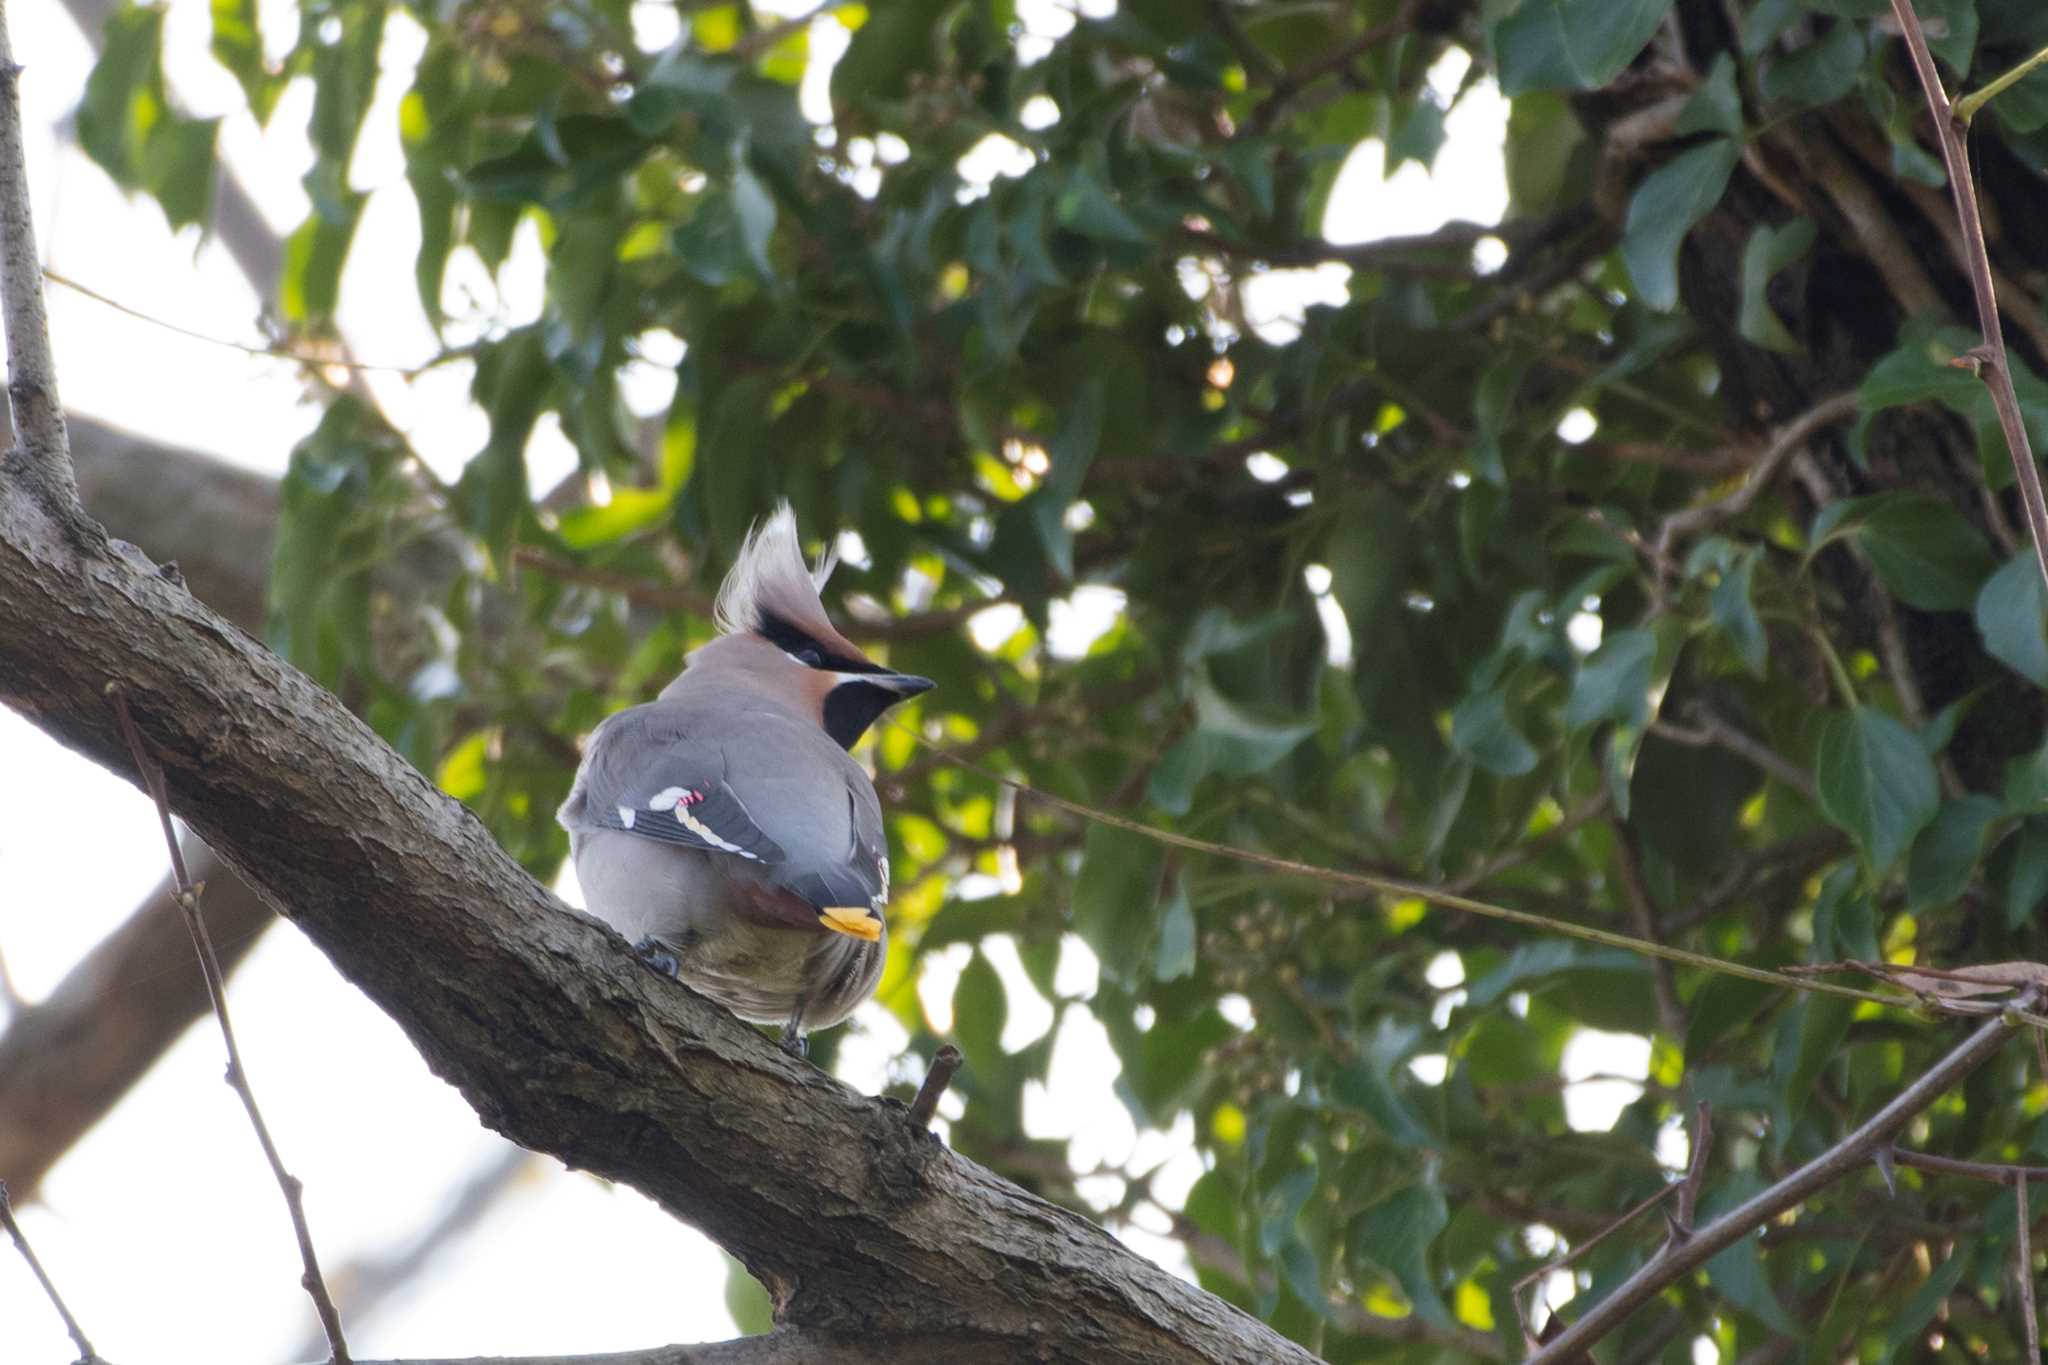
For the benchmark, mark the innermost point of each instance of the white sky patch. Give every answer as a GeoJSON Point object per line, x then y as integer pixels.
{"type": "Point", "coordinates": [1584, 630]}
{"type": "Point", "coordinates": [995, 155]}
{"type": "Point", "coordinates": [1265, 466]}
{"type": "Point", "coordinates": [1030, 1015]}
{"type": "Point", "coordinates": [1577, 426]}
{"type": "Point", "coordinates": [991, 627]}
{"type": "Point", "coordinates": [938, 974]}
{"type": "Point", "coordinates": [1276, 301]}
{"type": "Point", "coordinates": [1236, 1009]}
{"type": "Point", "coordinates": [1593, 1106]}
{"type": "Point", "coordinates": [550, 456]}
{"type": "Point", "coordinates": [1078, 972]}
{"type": "Point", "coordinates": [829, 38]}
{"type": "Point", "coordinates": [1076, 622]}
{"type": "Point", "coordinates": [655, 26]}
{"type": "Point", "coordinates": [1338, 648]}
{"type": "Point", "coordinates": [1430, 1067]}
{"type": "Point", "coordinates": [1039, 113]}
{"type": "Point", "coordinates": [1468, 181]}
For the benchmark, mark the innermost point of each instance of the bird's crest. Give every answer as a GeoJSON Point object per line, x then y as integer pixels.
{"type": "Point", "coordinates": [770, 584]}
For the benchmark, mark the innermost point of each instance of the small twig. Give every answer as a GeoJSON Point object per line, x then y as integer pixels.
{"type": "Point", "coordinates": [1987, 361]}
{"type": "Point", "coordinates": [1782, 443]}
{"type": "Point", "coordinates": [1696, 1169]}
{"type": "Point", "coordinates": [1995, 1172]}
{"type": "Point", "coordinates": [1966, 108]}
{"type": "Point", "coordinates": [86, 1354]}
{"type": "Point", "coordinates": [1709, 730]}
{"type": "Point", "coordinates": [1579, 1249]}
{"type": "Point", "coordinates": [1288, 85]}
{"type": "Point", "coordinates": [2029, 1315]}
{"type": "Point", "coordinates": [1670, 1013]}
{"type": "Point", "coordinates": [285, 353]}
{"type": "Point", "coordinates": [1675, 1260]}
{"type": "Point", "coordinates": [945, 1062]}
{"type": "Point", "coordinates": [187, 899]}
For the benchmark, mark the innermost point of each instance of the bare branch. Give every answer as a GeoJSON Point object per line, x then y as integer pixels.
{"type": "Point", "coordinates": [41, 455]}
{"type": "Point", "coordinates": [217, 992]}
{"type": "Point", "coordinates": [945, 1062]}
{"type": "Point", "coordinates": [1675, 1260]}
{"type": "Point", "coordinates": [1987, 360]}
{"type": "Point", "coordinates": [86, 1354]}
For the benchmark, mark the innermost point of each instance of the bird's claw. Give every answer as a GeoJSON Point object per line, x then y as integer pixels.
{"type": "Point", "coordinates": [655, 954]}
{"type": "Point", "coordinates": [796, 1045]}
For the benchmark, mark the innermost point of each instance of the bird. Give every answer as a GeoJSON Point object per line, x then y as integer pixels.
{"type": "Point", "coordinates": [725, 828]}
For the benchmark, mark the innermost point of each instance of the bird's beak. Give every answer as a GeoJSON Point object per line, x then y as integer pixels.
{"type": "Point", "coordinates": [904, 685]}
{"type": "Point", "coordinates": [853, 921]}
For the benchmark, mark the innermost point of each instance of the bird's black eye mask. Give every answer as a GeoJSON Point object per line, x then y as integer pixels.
{"type": "Point", "coordinates": [794, 641]}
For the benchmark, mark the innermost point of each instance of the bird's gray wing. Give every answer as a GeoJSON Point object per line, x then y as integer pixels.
{"type": "Point", "coordinates": [807, 820]}
{"type": "Point", "coordinates": [655, 777]}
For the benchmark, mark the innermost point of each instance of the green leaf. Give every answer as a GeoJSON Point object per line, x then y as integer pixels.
{"type": "Point", "coordinates": [1819, 73]}
{"type": "Point", "coordinates": [1396, 1234]}
{"type": "Point", "coordinates": [1666, 205]}
{"type": "Point", "coordinates": [1947, 851]}
{"type": "Point", "coordinates": [1737, 1272]}
{"type": "Point", "coordinates": [1572, 44]}
{"type": "Point", "coordinates": [2027, 880]}
{"type": "Point", "coordinates": [1116, 900]}
{"type": "Point", "coordinates": [1614, 682]}
{"type": "Point", "coordinates": [753, 1313]}
{"type": "Point", "coordinates": [2011, 609]}
{"type": "Point", "coordinates": [1716, 107]}
{"type": "Point", "coordinates": [1734, 612]}
{"type": "Point", "coordinates": [980, 1008]}
{"type": "Point", "coordinates": [1809, 1037]}
{"type": "Point", "coordinates": [1875, 782]}
{"type": "Point", "coordinates": [1926, 552]}
{"type": "Point", "coordinates": [1770, 250]}
{"type": "Point", "coordinates": [897, 38]}
{"type": "Point", "coordinates": [1928, 1299]}
{"type": "Point", "coordinates": [1369, 1082]}
{"type": "Point", "coordinates": [1174, 957]}
{"type": "Point", "coordinates": [753, 208]}
{"type": "Point", "coordinates": [1481, 730]}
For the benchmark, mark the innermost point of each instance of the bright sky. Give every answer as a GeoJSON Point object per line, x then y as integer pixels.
{"type": "Point", "coordinates": [163, 1228]}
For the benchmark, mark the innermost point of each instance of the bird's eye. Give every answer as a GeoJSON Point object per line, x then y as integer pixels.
{"type": "Point", "coordinates": [810, 658]}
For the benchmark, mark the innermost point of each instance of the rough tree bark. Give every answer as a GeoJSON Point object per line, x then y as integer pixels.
{"type": "Point", "coordinates": [859, 1225]}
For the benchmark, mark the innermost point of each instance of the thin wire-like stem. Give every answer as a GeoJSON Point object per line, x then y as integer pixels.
{"type": "Point", "coordinates": [1445, 899]}
{"type": "Point", "coordinates": [187, 899]}
{"type": "Point", "coordinates": [2030, 1317]}
{"type": "Point", "coordinates": [1680, 1257]}
{"type": "Point", "coordinates": [86, 1354]}
{"type": "Point", "coordinates": [1988, 360]}
{"type": "Point", "coordinates": [1968, 105]}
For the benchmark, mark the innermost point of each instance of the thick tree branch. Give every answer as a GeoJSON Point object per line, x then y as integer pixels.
{"type": "Point", "coordinates": [849, 1216]}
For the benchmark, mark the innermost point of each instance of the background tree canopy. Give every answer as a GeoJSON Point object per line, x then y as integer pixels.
{"type": "Point", "coordinates": [1637, 560]}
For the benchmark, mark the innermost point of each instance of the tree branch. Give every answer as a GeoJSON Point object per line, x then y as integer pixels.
{"type": "Point", "coordinates": [41, 454]}
{"type": "Point", "coordinates": [1679, 1258]}
{"type": "Point", "coordinates": [1988, 360]}
{"type": "Point", "coordinates": [849, 1216]}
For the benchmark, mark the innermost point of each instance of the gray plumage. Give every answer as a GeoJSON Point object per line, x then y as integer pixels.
{"type": "Point", "coordinates": [726, 824]}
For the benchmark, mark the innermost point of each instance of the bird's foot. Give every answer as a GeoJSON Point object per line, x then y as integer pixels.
{"type": "Point", "coordinates": [655, 954]}
{"type": "Point", "coordinates": [794, 1043]}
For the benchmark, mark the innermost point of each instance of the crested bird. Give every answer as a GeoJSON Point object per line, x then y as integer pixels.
{"type": "Point", "coordinates": [725, 828]}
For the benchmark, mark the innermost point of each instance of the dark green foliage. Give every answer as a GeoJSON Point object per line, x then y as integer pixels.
{"type": "Point", "coordinates": [1583, 679]}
